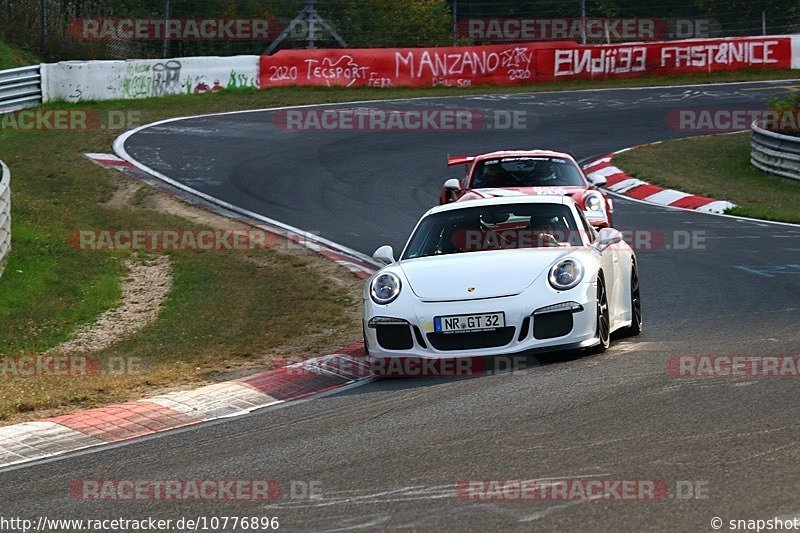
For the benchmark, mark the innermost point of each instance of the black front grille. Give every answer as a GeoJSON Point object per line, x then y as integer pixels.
{"type": "Point", "coordinates": [471, 341]}
{"type": "Point", "coordinates": [525, 330]}
{"type": "Point", "coordinates": [552, 325]}
{"type": "Point", "coordinates": [395, 337]}
{"type": "Point", "coordinates": [420, 338]}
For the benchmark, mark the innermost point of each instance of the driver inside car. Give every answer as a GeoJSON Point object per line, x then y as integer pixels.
{"type": "Point", "coordinates": [545, 231]}
{"type": "Point", "coordinates": [543, 174]}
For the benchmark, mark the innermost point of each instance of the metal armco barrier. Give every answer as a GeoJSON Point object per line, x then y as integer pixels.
{"type": "Point", "coordinates": [5, 214]}
{"type": "Point", "coordinates": [20, 88]}
{"type": "Point", "coordinates": [775, 153]}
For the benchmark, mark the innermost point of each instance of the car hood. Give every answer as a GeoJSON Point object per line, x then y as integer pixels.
{"type": "Point", "coordinates": [490, 274]}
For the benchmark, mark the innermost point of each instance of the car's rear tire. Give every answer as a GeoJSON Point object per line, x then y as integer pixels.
{"type": "Point", "coordinates": [603, 318]}
{"type": "Point", "coordinates": [637, 321]}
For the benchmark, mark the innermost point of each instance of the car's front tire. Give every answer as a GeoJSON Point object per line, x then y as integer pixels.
{"type": "Point", "coordinates": [603, 318]}
{"type": "Point", "coordinates": [636, 305]}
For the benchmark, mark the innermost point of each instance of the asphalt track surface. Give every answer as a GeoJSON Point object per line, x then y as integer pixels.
{"type": "Point", "coordinates": [388, 454]}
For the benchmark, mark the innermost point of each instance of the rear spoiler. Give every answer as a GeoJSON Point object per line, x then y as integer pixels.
{"type": "Point", "coordinates": [455, 160]}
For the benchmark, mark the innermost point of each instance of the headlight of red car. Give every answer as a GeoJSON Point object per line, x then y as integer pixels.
{"type": "Point", "coordinates": [593, 202]}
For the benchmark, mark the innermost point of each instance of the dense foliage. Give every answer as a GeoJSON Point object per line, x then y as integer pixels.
{"type": "Point", "coordinates": [361, 23]}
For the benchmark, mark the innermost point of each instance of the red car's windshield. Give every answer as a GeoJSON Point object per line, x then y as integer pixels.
{"type": "Point", "coordinates": [526, 172]}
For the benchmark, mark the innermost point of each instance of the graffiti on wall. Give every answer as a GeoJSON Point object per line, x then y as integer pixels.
{"type": "Point", "coordinates": [239, 80]}
{"type": "Point", "coordinates": [166, 78]}
{"type": "Point", "coordinates": [137, 80]}
{"type": "Point", "coordinates": [144, 80]}
{"type": "Point", "coordinates": [521, 63]}
{"type": "Point", "coordinates": [600, 61]}
{"type": "Point", "coordinates": [467, 64]}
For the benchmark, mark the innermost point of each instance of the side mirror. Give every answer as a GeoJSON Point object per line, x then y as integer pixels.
{"type": "Point", "coordinates": [449, 192]}
{"type": "Point", "coordinates": [608, 237]}
{"type": "Point", "coordinates": [598, 181]}
{"type": "Point", "coordinates": [452, 185]}
{"type": "Point", "coordinates": [384, 254]}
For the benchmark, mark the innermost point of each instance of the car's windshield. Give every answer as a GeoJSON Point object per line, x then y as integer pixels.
{"type": "Point", "coordinates": [526, 172]}
{"type": "Point", "coordinates": [496, 227]}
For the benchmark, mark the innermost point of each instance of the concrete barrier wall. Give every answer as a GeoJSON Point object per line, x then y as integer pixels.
{"type": "Point", "coordinates": [80, 81]}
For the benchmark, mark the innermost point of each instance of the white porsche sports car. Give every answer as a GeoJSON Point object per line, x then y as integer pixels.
{"type": "Point", "coordinates": [513, 275]}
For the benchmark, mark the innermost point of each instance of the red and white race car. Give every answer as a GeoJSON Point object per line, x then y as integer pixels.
{"type": "Point", "coordinates": [529, 173]}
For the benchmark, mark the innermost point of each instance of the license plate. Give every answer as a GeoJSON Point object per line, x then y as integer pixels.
{"type": "Point", "coordinates": [469, 323]}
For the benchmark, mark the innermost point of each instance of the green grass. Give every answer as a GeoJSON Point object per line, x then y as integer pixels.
{"type": "Point", "coordinates": [223, 305]}
{"type": "Point", "coordinates": [42, 298]}
{"type": "Point", "coordinates": [719, 167]}
{"type": "Point", "coordinates": [224, 310]}
{"type": "Point", "coordinates": [11, 57]}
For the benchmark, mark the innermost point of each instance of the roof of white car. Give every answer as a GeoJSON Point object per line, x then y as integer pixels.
{"type": "Point", "coordinates": [503, 200]}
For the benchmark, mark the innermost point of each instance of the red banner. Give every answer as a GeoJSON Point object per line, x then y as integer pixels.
{"type": "Point", "coordinates": [518, 64]}
{"type": "Point", "coordinates": [664, 58]}
{"type": "Point", "coordinates": [404, 67]}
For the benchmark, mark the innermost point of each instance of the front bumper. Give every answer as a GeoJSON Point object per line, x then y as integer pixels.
{"type": "Point", "coordinates": [406, 329]}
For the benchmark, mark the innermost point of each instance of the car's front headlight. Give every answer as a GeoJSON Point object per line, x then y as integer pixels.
{"type": "Point", "coordinates": [566, 274]}
{"type": "Point", "coordinates": [385, 288]}
{"type": "Point", "coordinates": [594, 202]}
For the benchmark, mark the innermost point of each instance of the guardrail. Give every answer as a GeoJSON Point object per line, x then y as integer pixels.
{"type": "Point", "coordinates": [5, 214]}
{"type": "Point", "coordinates": [775, 153]}
{"type": "Point", "coordinates": [20, 87]}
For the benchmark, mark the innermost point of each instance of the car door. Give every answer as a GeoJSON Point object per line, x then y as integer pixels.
{"type": "Point", "coordinates": [610, 263]}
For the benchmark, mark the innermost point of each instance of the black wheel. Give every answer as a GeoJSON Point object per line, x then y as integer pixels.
{"type": "Point", "coordinates": [636, 305]}
{"type": "Point", "coordinates": [603, 318]}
